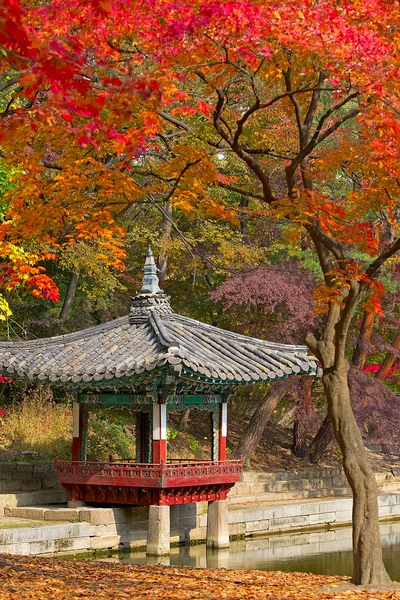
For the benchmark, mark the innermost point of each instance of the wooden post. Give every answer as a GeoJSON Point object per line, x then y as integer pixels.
{"type": "Point", "coordinates": [77, 429]}
{"type": "Point", "coordinates": [142, 437]}
{"type": "Point", "coordinates": [222, 430]}
{"type": "Point", "coordinates": [159, 433]}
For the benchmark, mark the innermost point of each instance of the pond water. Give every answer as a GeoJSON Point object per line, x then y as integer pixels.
{"type": "Point", "coordinates": [320, 552]}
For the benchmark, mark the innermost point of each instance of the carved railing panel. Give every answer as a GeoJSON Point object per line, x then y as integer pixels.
{"type": "Point", "coordinates": [107, 470]}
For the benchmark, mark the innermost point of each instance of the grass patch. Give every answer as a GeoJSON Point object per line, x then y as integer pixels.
{"type": "Point", "coordinates": [21, 525]}
{"type": "Point", "coordinates": [39, 425]}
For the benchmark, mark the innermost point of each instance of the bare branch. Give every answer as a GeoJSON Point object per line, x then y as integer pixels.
{"type": "Point", "coordinates": [343, 324]}
{"type": "Point", "coordinates": [8, 83]}
{"type": "Point", "coordinates": [174, 121]}
{"type": "Point", "coordinates": [350, 115]}
{"type": "Point", "coordinates": [297, 110]}
{"type": "Point", "coordinates": [51, 165]}
{"type": "Point", "coordinates": [314, 103]}
{"type": "Point", "coordinates": [378, 262]}
{"type": "Point", "coordinates": [317, 137]}
{"type": "Point", "coordinates": [231, 188]}
{"type": "Point", "coordinates": [181, 174]}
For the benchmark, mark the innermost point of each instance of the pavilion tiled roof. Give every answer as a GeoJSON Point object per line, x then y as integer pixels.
{"type": "Point", "coordinates": [152, 336]}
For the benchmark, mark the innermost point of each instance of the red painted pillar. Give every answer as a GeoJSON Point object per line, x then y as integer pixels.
{"type": "Point", "coordinates": [159, 433]}
{"type": "Point", "coordinates": [222, 430]}
{"type": "Point", "coordinates": [77, 430]}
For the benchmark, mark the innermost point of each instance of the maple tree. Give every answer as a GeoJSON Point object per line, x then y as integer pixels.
{"type": "Point", "coordinates": [274, 300]}
{"type": "Point", "coordinates": [322, 71]}
{"type": "Point", "coordinates": [52, 97]}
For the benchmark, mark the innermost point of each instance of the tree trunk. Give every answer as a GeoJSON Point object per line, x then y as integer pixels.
{"type": "Point", "coordinates": [368, 567]}
{"type": "Point", "coordinates": [322, 441]}
{"type": "Point", "coordinates": [261, 416]}
{"type": "Point", "coordinates": [303, 413]}
{"type": "Point", "coordinates": [165, 239]}
{"type": "Point", "coordinates": [184, 420]}
{"type": "Point", "coordinates": [389, 359]}
{"type": "Point", "coordinates": [69, 297]}
{"type": "Point", "coordinates": [244, 218]}
{"type": "Point", "coordinates": [367, 553]}
{"type": "Point", "coordinates": [383, 373]}
{"type": "Point", "coordinates": [361, 352]}
{"type": "Point", "coordinates": [299, 447]}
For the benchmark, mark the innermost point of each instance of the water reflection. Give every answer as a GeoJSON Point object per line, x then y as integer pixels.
{"type": "Point", "coordinates": [321, 552]}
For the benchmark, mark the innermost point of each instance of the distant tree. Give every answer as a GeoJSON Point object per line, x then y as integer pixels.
{"type": "Point", "coordinates": [273, 300]}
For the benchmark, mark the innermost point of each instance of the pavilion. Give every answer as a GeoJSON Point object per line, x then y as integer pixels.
{"type": "Point", "coordinates": [153, 361]}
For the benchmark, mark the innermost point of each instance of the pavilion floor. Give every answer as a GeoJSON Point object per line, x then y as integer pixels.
{"type": "Point", "coordinates": [129, 483]}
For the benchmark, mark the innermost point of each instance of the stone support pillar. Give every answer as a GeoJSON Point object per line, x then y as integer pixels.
{"type": "Point", "coordinates": [222, 430]}
{"type": "Point", "coordinates": [217, 559]}
{"type": "Point", "coordinates": [158, 531]}
{"type": "Point", "coordinates": [165, 561]}
{"type": "Point", "coordinates": [76, 504]}
{"type": "Point", "coordinates": [159, 433]}
{"type": "Point", "coordinates": [217, 524]}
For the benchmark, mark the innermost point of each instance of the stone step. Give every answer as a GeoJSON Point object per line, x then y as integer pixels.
{"type": "Point", "coordinates": [391, 486]}
{"type": "Point", "coordinates": [252, 493]}
{"type": "Point", "coordinates": [317, 474]}
{"type": "Point", "coordinates": [290, 495]}
{"type": "Point", "coordinates": [245, 488]}
{"type": "Point", "coordinates": [322, 472]}
{"type": "Point", "coordinates": [271, 497]}
{"type": "Point", "coordinates": [37, 498]}
{"type": "Point", "coordinates": [43, 513]}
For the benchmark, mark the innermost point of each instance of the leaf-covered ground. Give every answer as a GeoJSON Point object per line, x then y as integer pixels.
{"type": "Point", "coordinates": [27, 578]}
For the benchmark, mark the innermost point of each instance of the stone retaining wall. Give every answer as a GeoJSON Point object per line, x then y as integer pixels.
{"type": "Point", "coordinates": [126, 528]}
{"type": "Point", "coordinates": [27, 484]}
{"type": "Point", "coordinates": [33, 484]}
{"type": "Point", "coordinates": [292, 485]}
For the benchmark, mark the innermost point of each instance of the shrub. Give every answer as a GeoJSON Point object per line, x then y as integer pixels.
{"type": "Point", "coordinates": [106, 438]}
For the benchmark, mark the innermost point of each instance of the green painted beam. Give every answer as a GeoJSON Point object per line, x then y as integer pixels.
{"type": "Point", "coordinates": [137, 399]}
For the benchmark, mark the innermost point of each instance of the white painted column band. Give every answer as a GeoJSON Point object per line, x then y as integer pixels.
{"type": "Point", "coordinates": [224, 419]}
{"type": "Point", "coordinates": [156, 422]}
{"type": "Point", "coordinates": [159, 422]}
{"type": "Point", "coordinates": [163, 421]}
{"type": "Point", "coordinates": [75, 419]}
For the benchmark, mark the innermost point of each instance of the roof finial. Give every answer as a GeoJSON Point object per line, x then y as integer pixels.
{"type": "Point", "coordinates": [150, 279]}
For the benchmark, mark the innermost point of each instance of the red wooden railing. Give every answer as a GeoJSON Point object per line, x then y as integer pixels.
{"type": "Point", "coordinates": [126, 482]}
{"type": "Point", "coordinates": [150, 472]}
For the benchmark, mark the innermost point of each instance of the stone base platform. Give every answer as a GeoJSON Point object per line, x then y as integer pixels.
{"type": "Point", "coordinates": [86, 529]}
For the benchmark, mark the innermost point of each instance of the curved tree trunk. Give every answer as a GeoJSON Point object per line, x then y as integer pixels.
{"type": "Point", "coordinates": [384, 372]}
{"type": "Point", "coordinates": [261, 416]}
{"type": "Point", "coordinates": [389, 359]}
{"type": "Point", "coordinates": [299, 447]}
{"type": "Point", "coordinates": [165, 239]}
{"type": "Point", "coordinates": [69, 297]}
{"type": "Point", "coordinates": [244, 218]}
{"type": "Point", "coordinates": [367, 552]}
{"type": "Point", "coordinates": [361, 349]}
{"type": "Point", "coordinates": [184, 420]}
{"type": "Point", "coordinates": [302, 414]}
{"type": "Point", "coordinates": [368, 567]}
{"type": "Point", "coordinates": [322, 442]}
